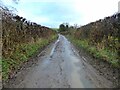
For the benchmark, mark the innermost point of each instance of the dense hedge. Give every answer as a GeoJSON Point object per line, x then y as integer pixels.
{"type": "Point", "coordinates": [103, 34]}
{"type": "Point", "coordinates": [103, 31]}
{"type": "Point", "coordinates": [17, 30]}
{"type": "Point", "coordinates": [21, 39]}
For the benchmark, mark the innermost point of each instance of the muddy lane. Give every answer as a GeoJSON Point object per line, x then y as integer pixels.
{"type": "Point", "coordinates": [59, 66]}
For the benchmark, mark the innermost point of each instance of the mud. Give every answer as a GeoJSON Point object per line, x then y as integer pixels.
{"type": "Point", "coordinates": [59, 66]}
{"type": "Point", "coordinates": [103, 67]}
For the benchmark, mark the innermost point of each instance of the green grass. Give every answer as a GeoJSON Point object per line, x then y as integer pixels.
{"type": "Point", "coordinates": [55, 29]}
{"type": "Point", "coordinates": [21, 55]}
{"type": "Point", "coordinates": [103, 54]}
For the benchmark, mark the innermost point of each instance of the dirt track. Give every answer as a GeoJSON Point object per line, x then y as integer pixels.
{"type": "Point", "coordinates": [59, 66]}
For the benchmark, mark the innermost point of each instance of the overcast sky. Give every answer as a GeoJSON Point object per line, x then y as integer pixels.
{"type": "Point", "coordinates": [51, 13]}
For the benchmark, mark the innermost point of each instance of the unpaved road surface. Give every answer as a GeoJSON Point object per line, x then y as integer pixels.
{"type": "Point", "coordinates": [59, 66]}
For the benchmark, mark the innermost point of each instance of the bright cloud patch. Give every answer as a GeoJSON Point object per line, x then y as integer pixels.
{"type": "Point", "coordinates": [54, 12]}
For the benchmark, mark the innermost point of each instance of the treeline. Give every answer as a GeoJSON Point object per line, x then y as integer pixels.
{"type": "Point", "coordinates": [63, 27]}
{"type": "Point", "coordinates": [21, 39]}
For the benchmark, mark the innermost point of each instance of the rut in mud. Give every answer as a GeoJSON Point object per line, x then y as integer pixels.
{"type": "Point", "coordinates": [59, 66]}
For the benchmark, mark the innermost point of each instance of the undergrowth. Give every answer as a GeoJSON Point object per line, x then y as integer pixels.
{"type": "Point", "coordinates": [22, 54]}
{"type": "Point", "coordinates": [103, 54]}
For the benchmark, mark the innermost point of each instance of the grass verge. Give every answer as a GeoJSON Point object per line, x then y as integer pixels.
{"type": "Point", "coordinates": [22, 55]}
{"type": "Point", "coordinates": [103, 54]}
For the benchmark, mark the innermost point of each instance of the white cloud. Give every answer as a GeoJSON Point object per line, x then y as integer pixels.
{"type": "Point", "coordinates": [58, 1]}
{"type": "Point", "coordinates": [85, 10]}
{"type": "Point", "coordinates": [7, 2]}
{"type": "Point", "coordinates": [41, 19]}
{"type": "Point", "coordinates": [92, 10]}
{"type": "Point", "coordinates": [33, 18]}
